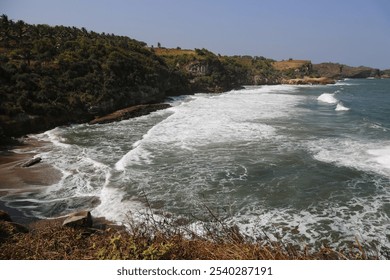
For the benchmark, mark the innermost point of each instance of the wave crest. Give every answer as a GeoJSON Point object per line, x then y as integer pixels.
{"type": "Point", "coordinates": [328, 98]}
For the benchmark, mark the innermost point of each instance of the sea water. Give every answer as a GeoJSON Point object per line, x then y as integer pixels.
{"type": "Point", "coordinates": [302, 164]}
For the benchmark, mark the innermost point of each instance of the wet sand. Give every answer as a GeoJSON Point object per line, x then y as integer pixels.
{"type": "Point", "coordinates": [17, 179]}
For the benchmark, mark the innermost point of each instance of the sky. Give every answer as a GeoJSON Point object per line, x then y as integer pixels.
{"type": "Point", "coordinates": [351, 32]}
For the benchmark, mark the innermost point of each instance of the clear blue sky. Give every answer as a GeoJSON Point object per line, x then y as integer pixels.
{"type": "Point", "coordinates": [350, 32]}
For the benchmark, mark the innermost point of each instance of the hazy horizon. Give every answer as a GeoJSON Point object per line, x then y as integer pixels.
{"type": "Point", "coordinates": [348, 32]}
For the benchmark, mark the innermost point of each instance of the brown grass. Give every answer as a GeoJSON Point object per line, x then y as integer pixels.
{"type": "Point", "coordinates": [289, 64]}
{"type": "Point", "coordinates": [173, 52]}
{"type": "Point", "coordinates": [155, 240]}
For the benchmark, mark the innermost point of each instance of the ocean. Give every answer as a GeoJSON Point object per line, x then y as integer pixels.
{"type": "Point", "coordinates": [301, 164]}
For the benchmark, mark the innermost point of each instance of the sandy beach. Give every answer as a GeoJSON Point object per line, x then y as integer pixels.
{"type": "Point", "coordinates": [17, 179]}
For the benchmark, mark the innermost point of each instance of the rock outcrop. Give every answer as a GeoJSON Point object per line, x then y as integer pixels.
{"type": "Point", "coordinates": [309, 81]}
{"type": "Point", "coordinates": [32, 162]}
{"type": "Point", "coordinates": [340, 71]}
{"type": "Point", "coordinates": [131, 112]}
{"type": "Point", "coordinates": [4, 216]}
{"type": "Point", "coordinates": [79, 219]}
{"type": "Point", "coordinates": [8, 228]}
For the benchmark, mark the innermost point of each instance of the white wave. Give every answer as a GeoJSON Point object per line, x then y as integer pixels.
{"type": "Point", "coordinates": [324, 221]}
{"type": "Point", "coordinates": [345, 83]}
{"type": "Point", "coordinates": [268, 89]}
{"type": "Point", "coordinates": [114, 208]}
{"type": "Point", "coordinates": [381, 156]}
{"type": "Point", "coordinates": [234, 117]}
{"type": "Point", "coordinates": [341, 107]}
{"type": "Point", "coordinates": [366, 156]}
{"type": "Point", "coordinates": [53, 136]}
{"type": "Point", "coordinates": [328, 98]}
{"type": "Point", "coordinates": [332, 221]}
{"type": "Point", "coordinates": [137, 156]}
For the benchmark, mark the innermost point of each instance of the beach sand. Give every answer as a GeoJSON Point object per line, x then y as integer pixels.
{"type": "Point", "coordinates": [17, 179]}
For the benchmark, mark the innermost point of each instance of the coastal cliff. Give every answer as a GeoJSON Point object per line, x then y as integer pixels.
{"type": "Point", "coordinates": [341, 71]}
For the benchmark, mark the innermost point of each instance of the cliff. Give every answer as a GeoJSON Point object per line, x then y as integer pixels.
{"type": "Point", "coordinates": [385, 74]}
{"type": "Point", "coordinates": [341, 71]}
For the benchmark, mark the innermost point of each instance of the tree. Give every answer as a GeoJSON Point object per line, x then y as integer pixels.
{"type": "Point", "coordinates": [5, 30]}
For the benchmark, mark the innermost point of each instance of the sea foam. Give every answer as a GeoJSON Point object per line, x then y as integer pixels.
{"type": "Point", "coordinates": [328, 98]}
{"type": "Point", "coordinates": [341, 107]}
{"type": "Point", "coordinates": [381, 156]}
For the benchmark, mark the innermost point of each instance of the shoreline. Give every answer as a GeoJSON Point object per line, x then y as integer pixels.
{"type": "Point", "coordinates": [17, 179]}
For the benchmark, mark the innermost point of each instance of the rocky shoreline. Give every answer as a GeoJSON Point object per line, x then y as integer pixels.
{"type": "Point", "coordinates": [309, 81]}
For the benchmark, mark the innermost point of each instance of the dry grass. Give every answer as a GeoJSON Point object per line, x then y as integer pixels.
{"type": "Point", "coordinates": [154, 240]}
{"type": "Point", "coordinates": [173, 52]}
{"type": "Point", "coordinates": [289, 64]}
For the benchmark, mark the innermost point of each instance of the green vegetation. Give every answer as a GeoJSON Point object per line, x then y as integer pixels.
{"type": "Point", "coordinates": [62, 72]}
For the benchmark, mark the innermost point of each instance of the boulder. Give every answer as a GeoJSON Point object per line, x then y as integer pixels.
{"type": "Point", "coordinates": [79, 219]}
{"type": "Point", "coordinates": [4, 216]}
{"type": "Point", "coordinates": [31, 162]}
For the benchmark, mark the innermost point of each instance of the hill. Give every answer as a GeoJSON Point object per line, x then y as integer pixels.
{"type": "Point", "coordinates": [55, 75]}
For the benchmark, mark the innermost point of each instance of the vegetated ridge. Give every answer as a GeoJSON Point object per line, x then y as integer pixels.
{"type": "Point", "coordinates": [52, 76]}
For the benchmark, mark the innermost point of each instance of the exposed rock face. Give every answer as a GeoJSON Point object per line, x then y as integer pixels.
{"type": "Point", "coordinates": [198, 68]}
{"type": "Point", "coordinates": [131, 112]}
{"type": "Point", "coordinates": [79, 219]}
{"type": "Point", "coordinates": [261, 80]}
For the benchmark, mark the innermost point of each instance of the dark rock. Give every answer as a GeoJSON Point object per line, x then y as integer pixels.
{"type": "Point", "coordinates": [131, 112]}
{"type": "Point", "coordinates": [8, 229]}
{"type": "Point", "coordinates": [32, 162]}
{"type": "Point", "coordinates": [79, 219]}
{"type": "Point", "coordinates": [4, 216]}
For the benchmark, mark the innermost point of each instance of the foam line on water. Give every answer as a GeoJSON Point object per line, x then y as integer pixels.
{"type": "Point", "coordinates": [315, 224]}
{"type": "Point", "coordinates": [362, 155]}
